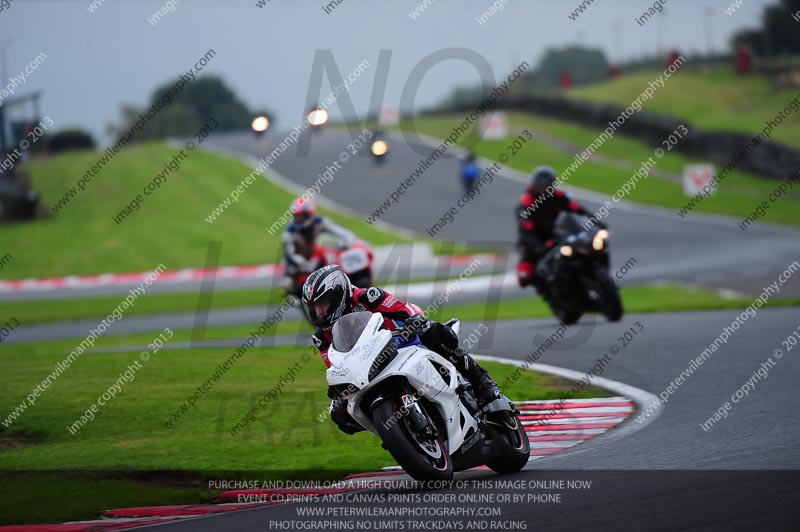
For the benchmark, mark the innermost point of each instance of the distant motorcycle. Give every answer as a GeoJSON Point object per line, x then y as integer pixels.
{"type": "Point", "coordinates": [355, 260]}
{"type": "Point", "coordinates": [259, 125]}
{"type": "Point", "coordinates": [418, 404]}
{"type": "Point", "coordinates": [379, 147]}
{"type": "Point", "coordinates": [317, 117]}
{"type": "Point", "coordinates": [576, 272]}
{"type": "Point", "coordinates": [469, 172]}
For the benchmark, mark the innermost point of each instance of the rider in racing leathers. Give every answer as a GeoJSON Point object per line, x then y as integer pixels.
{"type": "Point", "coordinates": [299, 238]}
{"type": "Point", "coordinates": [536, 214]}
{"type": "Point", "coordinates": [470, 170]}
{"type": "Point", "coordinates": [328, 295]}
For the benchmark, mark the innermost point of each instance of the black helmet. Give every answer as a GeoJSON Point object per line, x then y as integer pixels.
{"type": "Point", "coordinates": [543, 177]}
{"type": "Point", "coordinates": [326, 295]}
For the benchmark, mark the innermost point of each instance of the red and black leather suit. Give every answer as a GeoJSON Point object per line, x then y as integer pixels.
{"type": "Point", "coordinates": [536, 217]}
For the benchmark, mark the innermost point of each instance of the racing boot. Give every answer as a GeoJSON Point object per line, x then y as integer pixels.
{"type": "Point", "coordinates": [486, 389]}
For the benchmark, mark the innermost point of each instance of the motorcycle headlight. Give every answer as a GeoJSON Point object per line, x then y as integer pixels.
{"type": "Point", "coordinates": [565, 251]}
{"type": "Point", "coordinates": [317, 117]}
{"type": "Point", "coordinates": [260, 124]}
{"type": "Point", "coordinates": [379, 147]}
{"type": "Point", "coordinates": [600, 240]}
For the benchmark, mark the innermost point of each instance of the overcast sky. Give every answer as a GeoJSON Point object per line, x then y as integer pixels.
{"type": "Point", "coordinates": [97, 61]}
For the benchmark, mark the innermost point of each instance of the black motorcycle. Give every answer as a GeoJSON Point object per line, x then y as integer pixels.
{"type": "Point", "coordinates": [576, 273]}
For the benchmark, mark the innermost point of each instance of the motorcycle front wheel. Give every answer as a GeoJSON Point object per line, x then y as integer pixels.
{"type": "Point", "coordinates": [566, 316]}
{"type": "Point", "coordinates": [423, 459]}
{"type": "Point", "coordinates": [609, 303]}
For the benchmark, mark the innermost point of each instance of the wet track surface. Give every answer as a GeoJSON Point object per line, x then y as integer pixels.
{"type": "Point", "coordinates": [700, 249]}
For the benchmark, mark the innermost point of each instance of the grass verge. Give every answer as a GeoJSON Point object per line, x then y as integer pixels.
{"type": "Point", "coordinates": [738, 195]}
{"type": "Point", "coordinates": [718, 100]}
{"type": "Point", "coordinates": [286, 439]}
{"type": "Point", "coordinates": [48, 310]}
{"type": "Point", "coordinates": [36, 497]}
{"type": "Point", "coordinates": [169, 228]}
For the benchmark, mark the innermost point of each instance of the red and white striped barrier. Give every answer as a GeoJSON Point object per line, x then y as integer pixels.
{"type": "Point", "coordinates": [255, 271]}
{"type": "Point", "coordinates": [123, 279]}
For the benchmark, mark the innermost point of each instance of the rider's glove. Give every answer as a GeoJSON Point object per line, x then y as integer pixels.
{"type": "Point", "coordinates": [319, 340]}
{"type": "Point", "coordinates": [335, 392]}
{"type": "Point", "coordinates": [339, 392]}
{"type": "Point", "coordinates": [415, 324]}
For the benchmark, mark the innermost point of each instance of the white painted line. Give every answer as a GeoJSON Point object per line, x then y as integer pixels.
{"type": "Point", "coordinates": [582, 410]}
{"type": "Point", "coordinates": [573, 420]}
{"type": "Point", "coordinates": [476, 284]}
{"type": "Point", "coordinates": [554, 444]}
{"type": "Point", "coordinates": [579, 400]}
{"type": "Point", "coordinates": [563, 432]}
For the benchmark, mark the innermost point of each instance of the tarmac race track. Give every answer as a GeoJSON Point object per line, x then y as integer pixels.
{"type": "Point", "coordinates": [666, 473]}
{"type": "Point", "coordinates": [708, 250]}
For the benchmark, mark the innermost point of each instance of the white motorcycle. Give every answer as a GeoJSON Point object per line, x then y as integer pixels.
{"type": "Point", "coordinates": [418, 404]}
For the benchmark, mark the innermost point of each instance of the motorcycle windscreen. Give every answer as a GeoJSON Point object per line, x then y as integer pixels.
{"type": "Point", "coordinates": [347, 330]}
{"type": "Point", "coordinates": [567, 223]}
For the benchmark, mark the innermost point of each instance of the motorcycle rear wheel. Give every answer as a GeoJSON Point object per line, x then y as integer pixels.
{"type": "Point", "coordinates": [567, 317]}
{"type": "Point", "coordinates": [512, 442]}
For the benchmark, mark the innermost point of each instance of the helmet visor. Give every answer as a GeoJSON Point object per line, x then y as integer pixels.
{"type": "Point", "coordinates": [323, 308]}
{"type": "Point", "coordinates": [301, 217]}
